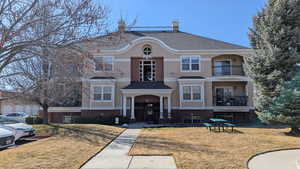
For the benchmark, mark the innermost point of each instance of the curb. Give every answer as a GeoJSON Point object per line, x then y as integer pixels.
{"type": "Point", "coordinates": [297, 162]}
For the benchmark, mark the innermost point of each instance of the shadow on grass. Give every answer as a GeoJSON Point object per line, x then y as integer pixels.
{"type": "Point", "coordinates": [89, 134]}
{"type": "Point", "coordinates": [169, 146]}
{"type": "Point", "coordinates": [230, 131]}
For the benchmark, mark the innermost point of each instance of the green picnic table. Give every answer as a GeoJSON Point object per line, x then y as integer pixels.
{"type": "Point", "coordinates": [218, 123]}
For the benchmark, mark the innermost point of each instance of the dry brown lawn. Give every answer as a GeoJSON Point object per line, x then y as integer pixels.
{"type": "Point", "coordinates": [69, 148]}
{"type": "Point", "coordinates": [197, 148]}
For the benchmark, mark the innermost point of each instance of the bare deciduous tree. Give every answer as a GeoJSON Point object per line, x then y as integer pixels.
{"type": "Point", "coordinates": [26, 25]}
{"type": "Point", "coordinates": [40, 49]}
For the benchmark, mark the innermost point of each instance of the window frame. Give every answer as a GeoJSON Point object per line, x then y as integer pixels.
{"type": "Point", "coordinates": [141, 70]}
{"type": "Point", "coordinates": [192, 93]}
{"type": "Point", "coordinates": [149, 51]}
{"type": "Point", "coordinates": [190, 63]}
{"type": "Point", "coordinates": [102, 93]}
{"type": "Point", "coordinates": [103, 65]}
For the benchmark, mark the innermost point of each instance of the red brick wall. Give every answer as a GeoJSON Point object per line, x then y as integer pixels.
{"type": "Point", "coordinates": [135, 64]}
{"type": "Point", "coordinates": [135, 69]}
{"type": "Point", "coordinates": [57, 117]}
{"type": "Point", "coordinates": [178, 116]}
{"type": "Point", "coordinates": [146, 99]}
{"type": "Point", "coordinates": [95, 113]}
{"type": "Point", "coordinates": [159, 69]}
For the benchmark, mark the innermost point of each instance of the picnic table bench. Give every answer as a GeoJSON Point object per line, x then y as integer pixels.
{"type": "Point", "coordinates": [208, 126]}
{"type": "Point", "coordinates": [218, 123]}
{"type": "Point", "coordinates": [229, 125]}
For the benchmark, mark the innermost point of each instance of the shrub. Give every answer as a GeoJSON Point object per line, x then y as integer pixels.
{"type": "Point", "coordinates": [34, 120]}
{"type": "Point", "coordinates": [29, 120]}
{"type": "Point", "coordinates": [124, 120]}
{"type": "Point", "coordinates": [38, 120]}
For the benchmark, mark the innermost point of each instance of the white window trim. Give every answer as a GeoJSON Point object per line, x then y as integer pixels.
{"type": "Point", "coordinates": [199, 57]}
{"type": "Point", "coordinates": [112, 66]}
{"type": "Point", "coordinates": [153, 71]}
{"type": "Point", "coordinates": [192, 100]}
{"type": "Point", "coordinates": [102, 86]}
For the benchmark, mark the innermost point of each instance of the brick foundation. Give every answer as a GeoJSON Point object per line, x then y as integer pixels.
{"type": "Point", "coordinates": [179, 116]}
{"type": "Point", "coordinates": [57, 117]}
{"type": "Point", "coordinates": [95, 113]}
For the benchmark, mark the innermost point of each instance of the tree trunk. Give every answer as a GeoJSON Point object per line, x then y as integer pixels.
{"type": "Point", "coordinates": [45, 114]}
{"type": "Point", "coordinates": [295, 131]}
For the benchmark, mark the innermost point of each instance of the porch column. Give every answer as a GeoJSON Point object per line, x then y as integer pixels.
{"type": "Point", "coordinates": [132, 108]}
{"type": "Point", "coordinates": [161, 107]}
{"type": "Point", "coordinates": [124, 106]}
{"type": "Point", "coordinates": [169, 107]}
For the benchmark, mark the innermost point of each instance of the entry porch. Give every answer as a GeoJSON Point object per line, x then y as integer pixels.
{"type": "Point", "coordinates": [147, 105]}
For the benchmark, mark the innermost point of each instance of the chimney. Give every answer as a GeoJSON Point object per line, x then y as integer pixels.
{"type": "Point", "coordinates": [175, 26]}
{"type": "Point", "coordinates": [121, 25]}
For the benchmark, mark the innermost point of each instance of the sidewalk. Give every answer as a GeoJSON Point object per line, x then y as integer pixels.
{"type": "Point", "coordinates": [283, 159]}
{"type": "Point", "coordinates": [115, 156]}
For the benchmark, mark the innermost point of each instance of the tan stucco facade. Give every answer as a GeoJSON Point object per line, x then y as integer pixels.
{"type": "Point", "coordinates": [122, 70]}
{"type": "Point", "coordinates": [170, 65]}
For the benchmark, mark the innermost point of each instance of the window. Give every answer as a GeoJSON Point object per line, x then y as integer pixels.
{"type": "Point", "coordinates": [187, 93]}
{"type": "Point", "coordinates": [103, 63]}
{"type": "Point", "coordinates": [147, 50]}
{"type": "Point", "coordinates": [97, 93]}
{"type": "Point", "coordinates": [147, 70]}
{"type": "Point", "coordinates": [191, 93]}
{"type": "Point", "coordinates": [102, 93]}
{"type": "Point", "coordinates": [196, 93]}
{"type": "Point", "coordinates": [107, 93]}
{"type": "Point", "coordinates": [222, 67]}
{"type": "Point", "coordinates": [190, 63]}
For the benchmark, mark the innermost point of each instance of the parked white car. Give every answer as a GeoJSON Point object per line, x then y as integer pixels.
{"type": "Point", "coordinates": [7, 138]}
{"type": "Point", "coordinates": [20, 130]}
{"type": "Point", "coordinates": [20, 116]}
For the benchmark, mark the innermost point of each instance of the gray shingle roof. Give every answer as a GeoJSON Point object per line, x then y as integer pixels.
{"type": "Point", "coordinates": [102, 77]}
{"type": "Point", "coordinates": [177, 40]}
{"type": "Point", "coordinates": [191, 77]}
{"type": "Point", "coordinates": [147, 85]}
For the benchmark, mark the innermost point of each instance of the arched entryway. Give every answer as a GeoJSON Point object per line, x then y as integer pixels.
{"type": "Point", "coordinates": [147, 99]}
{"type": "Point", "coordinates": [147, 108]}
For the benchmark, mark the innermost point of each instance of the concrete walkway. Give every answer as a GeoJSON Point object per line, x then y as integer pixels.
{"type": "Point", "coordinates": [115, 156]}
{"type": "Point", "coordinates": [284, 159]}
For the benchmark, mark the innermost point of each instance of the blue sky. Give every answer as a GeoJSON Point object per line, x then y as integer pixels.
{"type": "Point", "coordinates": [226, 20]}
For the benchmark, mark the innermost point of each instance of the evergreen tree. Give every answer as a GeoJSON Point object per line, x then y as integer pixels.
{"type": "Point", "coordinates": [275, 39]}
{"type": "Point", "coordinates": [286, 107]}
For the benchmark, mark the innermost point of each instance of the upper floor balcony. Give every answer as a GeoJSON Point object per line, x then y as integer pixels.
{"type": "Point", "coordinates": [228, 69]}
{"type": "Point", "coordinates": [227, 65]}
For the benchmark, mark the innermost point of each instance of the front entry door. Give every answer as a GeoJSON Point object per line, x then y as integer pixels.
{"type": "Point", "coordinates": [147, 112]}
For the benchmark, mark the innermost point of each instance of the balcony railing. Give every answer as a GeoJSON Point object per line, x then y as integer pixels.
{"type": "Point", "coordinates": [230, 100]}
{"type": "Point", "coordinates": [228, 70]}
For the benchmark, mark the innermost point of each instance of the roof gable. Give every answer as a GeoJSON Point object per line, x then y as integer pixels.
{"type": "Point", "coordinates": [175, 40]}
